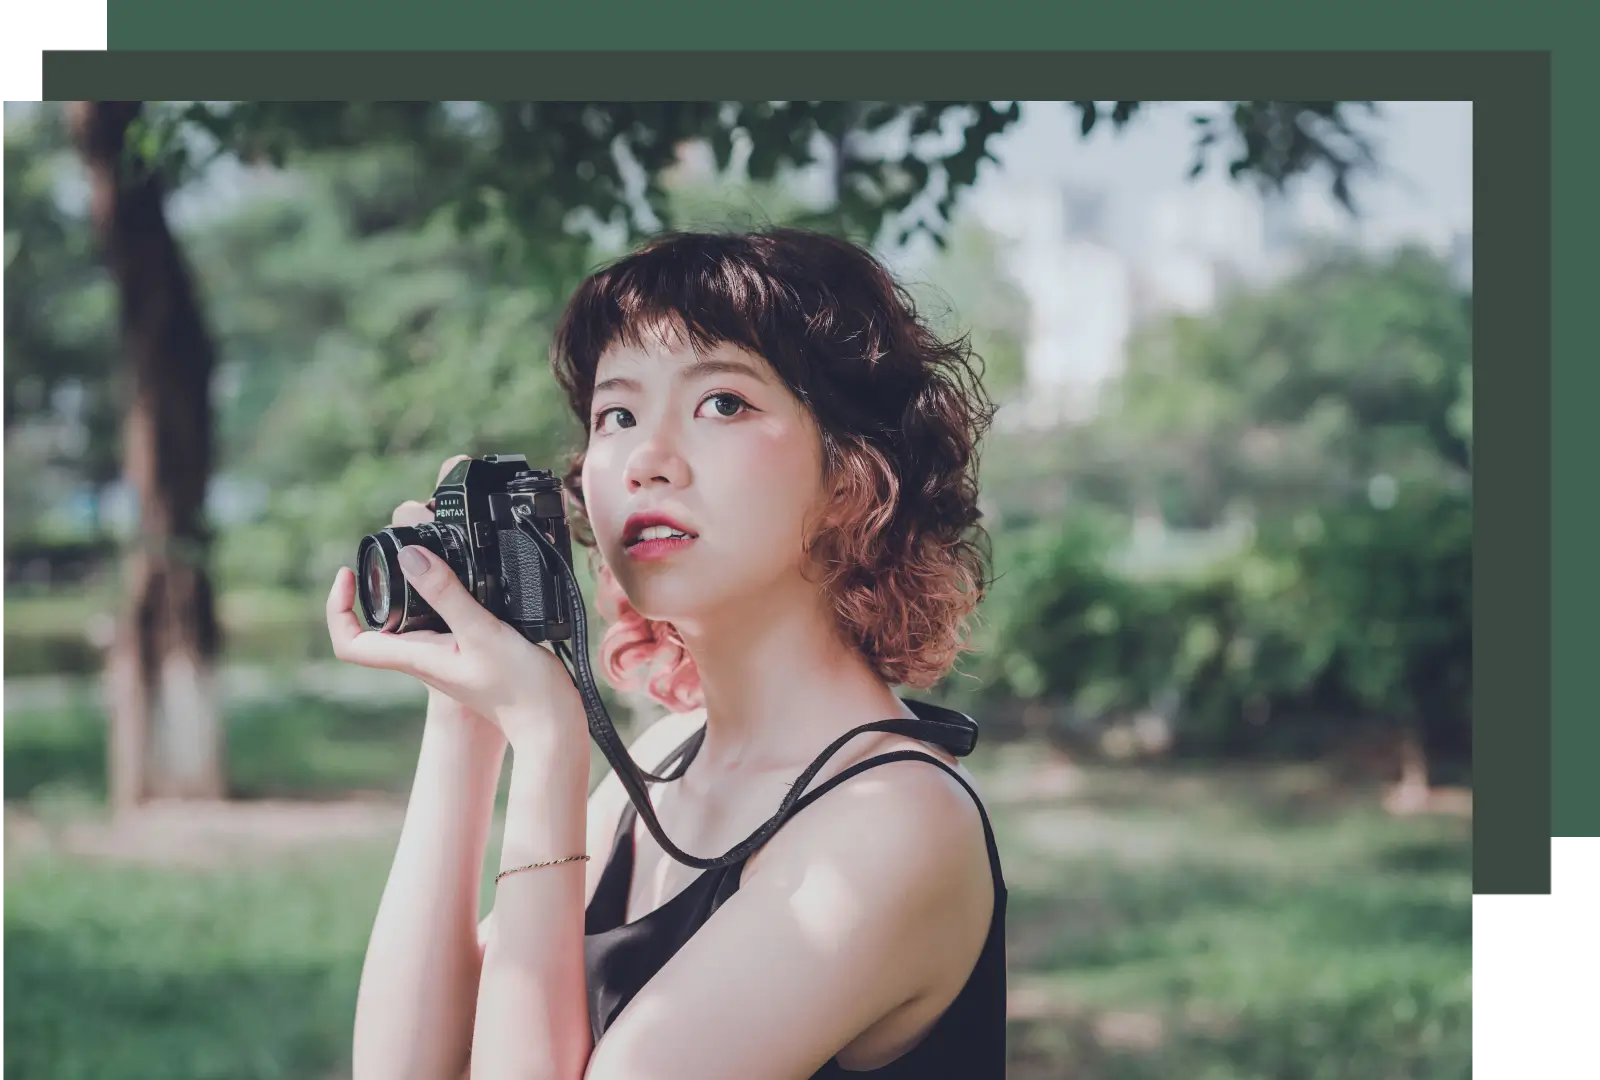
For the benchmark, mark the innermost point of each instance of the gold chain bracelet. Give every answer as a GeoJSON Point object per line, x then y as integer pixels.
{"type": "Point", "coordinates": [535, 866]}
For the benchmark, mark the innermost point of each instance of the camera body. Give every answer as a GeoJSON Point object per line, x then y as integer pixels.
{"type": "Point", "coordinates": [477, 508]}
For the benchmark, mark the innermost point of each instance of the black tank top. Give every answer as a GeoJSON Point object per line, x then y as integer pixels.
{"type": "Point", "coordinates": [968, 1040]}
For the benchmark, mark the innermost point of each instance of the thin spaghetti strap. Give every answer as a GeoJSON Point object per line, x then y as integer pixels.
{"type": "Point", "coordinates": [909, 755]}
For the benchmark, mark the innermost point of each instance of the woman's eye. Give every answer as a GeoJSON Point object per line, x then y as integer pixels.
{"type": "Point", "coordinates": [624, 417]}
{"type": "Point", "coordinates": [725, 405]}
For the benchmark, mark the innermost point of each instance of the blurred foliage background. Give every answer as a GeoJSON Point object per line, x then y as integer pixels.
{"type": "Point", "coordinates": [1224, 671]}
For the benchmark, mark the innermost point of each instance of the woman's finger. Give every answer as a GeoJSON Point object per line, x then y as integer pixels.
{"type": "Point", "coordinates": [427, 658]}
{"type": "Point", "coordinates": [450, 464]}
{"type": "Point", "coordinates": [428, 661]}
{"type": "Point", "coordinates": [429, 635]}
{"type": "Point", "coordinates": [411, 512]}
{"type": "Point", "coordinates": [432, 579]}
{"type": "Point", "coordinates": [341, 599]}
{"type": "Point", "coordinates": [341, 602]}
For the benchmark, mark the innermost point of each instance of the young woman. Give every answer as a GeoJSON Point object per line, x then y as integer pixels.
{"type": "Point", "coordinates": [779, 481]}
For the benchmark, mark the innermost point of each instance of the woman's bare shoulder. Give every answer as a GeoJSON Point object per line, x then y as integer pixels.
{"type": "Point", "coordinates": [907, 823]}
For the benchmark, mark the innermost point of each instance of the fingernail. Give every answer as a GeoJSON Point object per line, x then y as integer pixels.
{"type": "Point", "coordinates": [413, 563]}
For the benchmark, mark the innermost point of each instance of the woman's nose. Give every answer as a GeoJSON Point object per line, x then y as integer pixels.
{"type": "Point", "coordinates": [655, 461]}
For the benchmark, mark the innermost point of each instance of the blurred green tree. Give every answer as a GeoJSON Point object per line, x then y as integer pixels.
{"type": "Point", "coordinates": [60, 401]}
{"type": "Point", "coordinates": [360, 358]}
{"type": "Point", "coordinates": [1292, 396]}
{"type": "Point", "coordinates": [1302, 459]}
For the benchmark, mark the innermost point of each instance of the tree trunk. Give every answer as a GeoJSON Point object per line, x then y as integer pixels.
{"type": "Point", "coordinates": [1412, 791]}
{"type": "Point", "coordinates": [165, 737]}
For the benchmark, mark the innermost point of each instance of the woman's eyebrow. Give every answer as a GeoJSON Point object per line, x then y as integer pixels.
{"type": "Point", "coordinates": [708, 366]}
{"type": "Point", "coordinates": [698, 369]}
{"type": "Point", "coordinates": [615, 383]}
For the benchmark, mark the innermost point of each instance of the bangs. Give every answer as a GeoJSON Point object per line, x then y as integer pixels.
{"type": "Point", "coordinates": [696, 290]}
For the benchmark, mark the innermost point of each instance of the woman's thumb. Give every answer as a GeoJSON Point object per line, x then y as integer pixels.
{"type": "Point", "coordinates": [416, 563]}
{"type": "Point", "coordinates": [437, 583]}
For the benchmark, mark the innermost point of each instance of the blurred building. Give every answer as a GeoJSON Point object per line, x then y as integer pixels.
{"type": "Point", "coordinates": [1059, 244]}
{"type": "Point", "coordinates": [1090, 282]}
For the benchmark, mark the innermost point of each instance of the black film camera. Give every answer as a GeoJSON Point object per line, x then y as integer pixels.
{"type": "Point", "coordinates": [481, 510]}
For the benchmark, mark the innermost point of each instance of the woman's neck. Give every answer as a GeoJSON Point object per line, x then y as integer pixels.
{"type": "Point", "coordinates": [780, 683]}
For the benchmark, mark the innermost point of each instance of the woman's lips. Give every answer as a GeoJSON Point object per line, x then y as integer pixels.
{"type": "Point", "coordinates": [651, 550]}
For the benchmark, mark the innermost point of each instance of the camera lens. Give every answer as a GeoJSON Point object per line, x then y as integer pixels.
{"type": "Point", "coordinates": [387, 600]}
{"type": "Point", "coordinates": [379, 584]}
{"type": "Point", "coordinates": [375, 577]}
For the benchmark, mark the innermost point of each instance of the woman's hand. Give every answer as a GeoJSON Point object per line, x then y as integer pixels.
{"type": "Point", "coordinates": [481, 663]}
{"type": "Point", "coordinates": [412, 512]}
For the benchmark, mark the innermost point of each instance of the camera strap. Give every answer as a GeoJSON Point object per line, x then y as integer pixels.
{"type": "Point", "coordinates": [943, 727]}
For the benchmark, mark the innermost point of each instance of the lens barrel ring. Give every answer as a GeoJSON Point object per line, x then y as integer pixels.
{"type": "Point", "coordinates": [387, 600]}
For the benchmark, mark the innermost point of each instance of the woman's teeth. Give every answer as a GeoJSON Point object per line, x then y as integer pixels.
{"type": "Point", "coordinates": [659, 532]}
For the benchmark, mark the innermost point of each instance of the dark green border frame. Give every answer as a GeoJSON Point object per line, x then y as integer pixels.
{"type": "Point", "coordinates": [775, 74]}
{"type": "Point", "coordinates": [1512, 162]}
{"type": "Point", "coordinates": [822, 25]}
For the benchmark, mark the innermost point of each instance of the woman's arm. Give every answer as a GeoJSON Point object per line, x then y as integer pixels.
{"type": "Point", "coordinates": [419, 982]}
{"type": "Point", "coordinates": [424, 936]}
{"type": "Point", "coordinates": [532, 1009]}
{"type": "Point", "coordinates": [420, 978]}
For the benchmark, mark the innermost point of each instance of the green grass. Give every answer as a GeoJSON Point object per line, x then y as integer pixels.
{"type": "Point", "coordinates": [117, 973]}
{"type": "Point", "coordinates": [301, 746]}
{"type": "Point", "coordinates": [1222, 925]}
{"type": "Point", "coordinates": [1217, 924]}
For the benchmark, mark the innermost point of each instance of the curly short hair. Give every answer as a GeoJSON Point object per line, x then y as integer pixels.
{"type": "Point", "coordinates": [900, 411]}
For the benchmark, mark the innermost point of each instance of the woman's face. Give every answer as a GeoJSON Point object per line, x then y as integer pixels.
{"type": "Point", "coordinates": [720, 449]}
